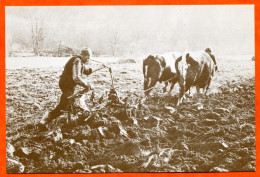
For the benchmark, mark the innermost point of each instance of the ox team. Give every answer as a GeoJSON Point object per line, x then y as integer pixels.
{"type": "Point", "coordinates": [189, 69]}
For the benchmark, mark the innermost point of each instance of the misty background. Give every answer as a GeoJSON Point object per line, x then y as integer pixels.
{"type": "Point", "coordinates": [129, 30]}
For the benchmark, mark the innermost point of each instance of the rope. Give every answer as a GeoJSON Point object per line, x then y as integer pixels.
{"type": "Point", "coordinates": [110, 71]}
{"type": "Point", "coordinates": [82, 91]}
{"type": "Point", "coordinates": [164, 81]}
{"type": "Point", "coordinates": [112, 76]}
{"type": "Point", "coordinates": [112, 79]}
{"type": "Point", "coordinates": [99, 62]}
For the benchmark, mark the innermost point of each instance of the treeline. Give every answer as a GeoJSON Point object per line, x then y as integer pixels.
{"type": "Point", "coordinates": [41, 37]}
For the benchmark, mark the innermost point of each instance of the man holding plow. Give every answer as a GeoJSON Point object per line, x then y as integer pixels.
{"type": "Point", "coordinates": [70, 78]}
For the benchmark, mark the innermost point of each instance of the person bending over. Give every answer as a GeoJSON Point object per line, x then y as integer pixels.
{"type": "Point", "coordinates": [70, 78]}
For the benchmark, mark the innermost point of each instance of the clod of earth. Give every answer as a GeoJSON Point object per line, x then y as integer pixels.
{"type": "Point", "coordinates": [13, 166]}
{"type": "Point", "coordinates": [170, 109]}
{"type": "Point", "coordinates": [10, 150]}
{"type": "Point", "coordinates": [218, 169]}
{"type": "Point", "coordinates": [212, 115]}
{"type": "Point", "coordinates": [221, 110]}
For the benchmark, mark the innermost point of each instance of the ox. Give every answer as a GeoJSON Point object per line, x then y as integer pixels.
{"type": "Point", "coordinates": [195, 69]}
{"type": "Point", "coordinates": [159, 68]}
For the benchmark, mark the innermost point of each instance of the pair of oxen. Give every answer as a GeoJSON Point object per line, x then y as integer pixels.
{"type": "Point", "coordinates": [188, 69]}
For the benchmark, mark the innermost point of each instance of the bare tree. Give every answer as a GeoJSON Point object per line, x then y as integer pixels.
{"type": "Point", "coordinates": [37, 32]}
{"type": "Point", "coordinates": [9, 47]}
{"type": "Point", "coordinates": [114, 43]}
{"type": "Point", "coordinates": [59, 49]}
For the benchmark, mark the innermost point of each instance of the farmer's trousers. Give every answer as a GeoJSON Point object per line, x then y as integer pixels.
{"type": "Point", "coordinates": [64, 103]}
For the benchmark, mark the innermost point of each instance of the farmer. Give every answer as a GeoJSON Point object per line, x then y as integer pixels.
{"type": "Point", "coordinates": [208, 50]}
{"type": "Point", "coordinates": [70, 78]}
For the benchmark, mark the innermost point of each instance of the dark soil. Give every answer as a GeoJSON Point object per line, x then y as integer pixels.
{"type": "Point", "coordinates": [206, 133]}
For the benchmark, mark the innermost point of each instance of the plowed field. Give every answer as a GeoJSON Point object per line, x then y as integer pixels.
{"type": "Point", "coordinates": [213, 133]}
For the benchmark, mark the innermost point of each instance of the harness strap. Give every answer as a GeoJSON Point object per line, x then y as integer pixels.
{"type": "Point", "coordinates": [163, 81]}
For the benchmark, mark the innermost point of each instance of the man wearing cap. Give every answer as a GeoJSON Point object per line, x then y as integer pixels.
{"type": "Point", "coordinates": [70, 78]}
{"type": "Point", "coordinates": [208, 50]}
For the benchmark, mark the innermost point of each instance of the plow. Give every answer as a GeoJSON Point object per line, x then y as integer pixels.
{"type": "Point", "coordinates": [85, 104]}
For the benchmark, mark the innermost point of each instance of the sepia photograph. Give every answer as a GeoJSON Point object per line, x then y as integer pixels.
{"type": "Point", "coordinates": [130, 89]}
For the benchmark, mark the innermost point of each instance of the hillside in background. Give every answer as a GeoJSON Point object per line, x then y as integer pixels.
{"type": "Point", "coordinates": [129, 30]}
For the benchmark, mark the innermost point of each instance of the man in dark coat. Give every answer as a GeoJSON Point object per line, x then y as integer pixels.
{"type": "Point", "coordinates": [70, 78]}
{"type": "Point", "coordinates": [208, 50]}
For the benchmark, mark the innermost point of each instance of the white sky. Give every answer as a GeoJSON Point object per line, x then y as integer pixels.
{"type": "Point", "coordinates": [227, 29]}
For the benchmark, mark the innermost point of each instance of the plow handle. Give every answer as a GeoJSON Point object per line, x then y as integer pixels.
{"type": "Point", "coordinates": [97, 69]}
{"type": "Point", "coordinates": [103, 66]}
{"type": "Point", "coordinates": [100, 63]}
